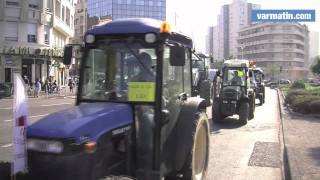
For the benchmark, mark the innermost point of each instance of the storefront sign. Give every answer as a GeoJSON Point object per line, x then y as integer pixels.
{"type": "Point", "coordinates": [46, 52]}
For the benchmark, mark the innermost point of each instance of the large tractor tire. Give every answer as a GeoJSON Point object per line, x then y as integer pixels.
{"type": "Point", "coordinates": [244, 112]}
{"type": "Point", "coordinates": [196, 165]}
{"type": "Point", "coordinates": [216, 115]}
{"type": "Point", "coordinates": [205, 91]}
{"type": "Point", "coordinates": [252, 106]}
{"type": "Point", "coordinates": [261, 100]}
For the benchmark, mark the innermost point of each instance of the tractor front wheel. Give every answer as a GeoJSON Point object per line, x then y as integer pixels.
{"type": "Point", "coordinates": [197, 163]}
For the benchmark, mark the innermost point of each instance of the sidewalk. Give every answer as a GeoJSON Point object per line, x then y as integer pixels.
{"type": "Point", "coordinates": [62, 94]}
{"type": "Point", "coordinates": [302, 144]}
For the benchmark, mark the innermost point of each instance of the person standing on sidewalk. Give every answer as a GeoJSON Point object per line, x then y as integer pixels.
{"type": "Point", "coordinates": [37, 88]}
{"type": "Point", "coordinates": [71, 85]}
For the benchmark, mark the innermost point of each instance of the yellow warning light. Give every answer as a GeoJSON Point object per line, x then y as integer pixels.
{"type": "Point", "coordinates": [165, 27]}
{"type": "Point", "coordinates": [252, 64]}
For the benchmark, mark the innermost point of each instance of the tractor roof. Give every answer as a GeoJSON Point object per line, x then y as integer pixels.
{"type": "Point", "coordinates": [236, 63]}
{"type": "Point", "coordinates": [137, 26]}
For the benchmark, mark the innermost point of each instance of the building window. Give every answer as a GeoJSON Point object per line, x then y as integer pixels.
{"type": "Point", "coordinates": [62, 13]}
{"type": "Point", "coordinates": [11, 31]}
{"type": "Point", "coordinates": [46, 35]}
{"type": "Point", "coordinates": [68, 16]}
{"type": "Point", "coordinates": [32, 31]}
{"type": "Point", "coordinates": [12, 3]}
{"type": "Point", "coordinates": [49, 6]}
{"type": "Point", "coordinates": [34, 4]}
{"type": "Point", "coordinates": [81, 19]}
{"type": "Point", "coordinates": [58, 9]}
{"type": "Point", "coordinates": [32, 38]}
{"type": "Point", "coordinates": [76, 21]}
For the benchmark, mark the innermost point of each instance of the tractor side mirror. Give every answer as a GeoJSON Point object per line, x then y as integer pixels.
{"type": "Point", "coordinates": [67, 55]}
{"type": "Point", "coordinates": [177, 56]}
{"type": "Point", "coordinates": [165, 116]}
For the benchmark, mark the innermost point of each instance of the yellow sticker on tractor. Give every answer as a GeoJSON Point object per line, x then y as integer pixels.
{"type": "Point", "coordinates": [141, 91]}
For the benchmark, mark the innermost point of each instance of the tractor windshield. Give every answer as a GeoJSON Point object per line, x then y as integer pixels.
{"type": "Point", "coordinates": [234, 77]}
{"type": "Point", "coordinates": [118, 71]}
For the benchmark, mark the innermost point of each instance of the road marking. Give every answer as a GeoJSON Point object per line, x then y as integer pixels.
{"type": "Point", "coordinates": [6, 145]}
{"type": "Point", "coordinates": [46, 105]}
{"type": "Point", "coordinates": [9, 120]}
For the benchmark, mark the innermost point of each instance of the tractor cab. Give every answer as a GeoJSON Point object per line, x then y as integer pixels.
{"type": "Point", "coordinates": [201, 83]}
{"type": "Point", "coordinates": [134, 113]}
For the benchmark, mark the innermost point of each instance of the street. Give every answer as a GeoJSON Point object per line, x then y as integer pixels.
{"type": "Point", "coordinates": [38, 108]}
{"type": "Point", "coordinates": [237, 152]}
{"type": "Point", "coordinates": [247, 152]}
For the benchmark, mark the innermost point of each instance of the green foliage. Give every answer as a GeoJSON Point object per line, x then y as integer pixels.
{"type": "Point", "coordinates": [304, 101]}
{"type": "Point", "coordinates": [316, 67]}
{"type": "Point", "coordinates": [299, 84]}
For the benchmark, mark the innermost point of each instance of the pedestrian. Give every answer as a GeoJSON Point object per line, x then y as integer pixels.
{"type": "Point", "coordinates": [27, 84]}
{"type": "Point", "coordinates": [37, 88]}
{"type": "Point", "coordinates": [71, 84]}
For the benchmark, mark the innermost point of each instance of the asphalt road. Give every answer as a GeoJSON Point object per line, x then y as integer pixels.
{"type": "Point", "coordinates": [38, 108]}
{"type": "Point", "coordinates": [247, 152]}
{"type": "Point", "coordinates": [237, 152]}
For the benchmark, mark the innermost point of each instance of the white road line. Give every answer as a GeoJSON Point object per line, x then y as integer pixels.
{"type": "Point", "coordinates": [46, 105]}
{"type": "Point", "coordinates": [6, 145]}
{"type": "Point", "coordinates": [9, 120]}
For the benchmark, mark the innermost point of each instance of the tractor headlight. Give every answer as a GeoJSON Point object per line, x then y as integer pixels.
{"type": "Point", "coordinates": [48, 146]}
{"type": "Point", "coordinates": [90, 38]}
{"type": "Point", "coordinates": [150, 38]}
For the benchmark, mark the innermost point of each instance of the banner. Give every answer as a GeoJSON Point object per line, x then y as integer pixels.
{"type": "Point", "coordinates": [20, 114]}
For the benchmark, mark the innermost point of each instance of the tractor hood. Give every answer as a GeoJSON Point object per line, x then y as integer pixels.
{"type": "Point", "coordinates": [88, 120]}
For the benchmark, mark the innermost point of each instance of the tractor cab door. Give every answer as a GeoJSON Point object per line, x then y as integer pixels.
{"type": "Point", "coordinates": [176, 89]}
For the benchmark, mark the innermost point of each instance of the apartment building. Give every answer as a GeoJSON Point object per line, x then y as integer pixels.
{"type": "Point", "coordinates": [286, 45]}
{"type": "Point", "coordinates": [232, 18]}
{"type": "Point", "coordinates": [32, 39]}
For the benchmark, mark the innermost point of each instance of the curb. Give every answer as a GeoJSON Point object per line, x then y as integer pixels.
{"type": "Point", "coordinates": [286, 174]}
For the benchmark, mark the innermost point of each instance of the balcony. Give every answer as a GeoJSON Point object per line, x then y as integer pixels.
{"type": "Point", "coordinates": [62, 27]}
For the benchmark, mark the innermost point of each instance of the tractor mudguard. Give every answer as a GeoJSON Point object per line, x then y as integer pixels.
{"type": "Point", "coordinates": [182, 141]}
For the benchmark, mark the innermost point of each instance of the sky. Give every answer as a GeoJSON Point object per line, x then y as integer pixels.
{"type": "Point", "coordinates": [193, 17]}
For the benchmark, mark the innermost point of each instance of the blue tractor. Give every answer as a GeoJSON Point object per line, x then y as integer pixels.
{"type": "Point", "coordinates": [134, 113]}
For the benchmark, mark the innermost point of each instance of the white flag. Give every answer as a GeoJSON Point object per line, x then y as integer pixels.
{"type": "Point", "coordinates": [20, 111]}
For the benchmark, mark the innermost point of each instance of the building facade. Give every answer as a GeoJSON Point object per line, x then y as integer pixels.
{"type": "Point", "coordinates": [32, 39]}
{"type": "Point", "coordinates": [314, 47]}
{"type": "Point", "coordinates": [209, 41]}
{"type": "Point", "coordinates": [117, 9]}
{"type": "Point", "coordinates": [282, 45]}
{"type": "Point", "coordinates": [232, 18]}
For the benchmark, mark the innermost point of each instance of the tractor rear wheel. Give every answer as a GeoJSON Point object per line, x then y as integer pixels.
{"type": "Point", "coordinates": [205, 91]}
{"type": "Point", "coordinates": [197, 163]}
{"type": "Point", "coordinates": [244, 112]}
{"type": "Point", "coordinates": [216, 115]}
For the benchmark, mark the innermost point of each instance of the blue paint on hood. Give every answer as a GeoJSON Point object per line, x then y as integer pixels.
{"type": "Point", "coordinates": [88, 119]}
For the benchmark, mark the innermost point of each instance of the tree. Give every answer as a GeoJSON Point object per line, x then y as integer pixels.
{"type": "Point", "coordinates": [272, 71]}
{"type": "Point", "coordinates": [316, 67]}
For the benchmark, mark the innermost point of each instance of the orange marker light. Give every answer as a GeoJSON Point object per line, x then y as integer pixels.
{"type": "Point", "coordinates": [90, 147]}
{"type": "Point", "coordinates": [165, 27]}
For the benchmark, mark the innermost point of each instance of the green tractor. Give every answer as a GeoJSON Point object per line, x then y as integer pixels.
{"type": "Point", "coordinates": [235, 94]}
{"type": "Point", "coordinates": [201, 83]}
